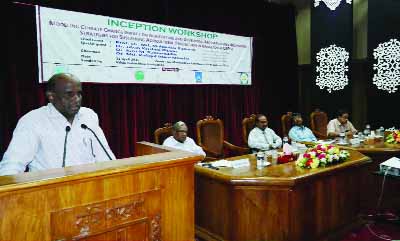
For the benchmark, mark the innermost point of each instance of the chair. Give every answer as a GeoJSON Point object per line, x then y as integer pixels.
{"type": "Point", "coordinates": [210, 136]}
{"type": "Point", "coordinates": [319, 122]}
{"type": "Point", "coordinates": [287, 123]}
{"type": "Point", "coordinates": [248, 124]}
{"type": "Point", "coordinates": [162, 133]}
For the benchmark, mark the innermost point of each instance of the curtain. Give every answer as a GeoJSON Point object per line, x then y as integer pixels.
{"type": "Point", "coordinates": [131, 112]}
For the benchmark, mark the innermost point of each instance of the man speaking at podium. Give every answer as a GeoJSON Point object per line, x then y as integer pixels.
{"type": "Point", "coordinates": [60, 134]}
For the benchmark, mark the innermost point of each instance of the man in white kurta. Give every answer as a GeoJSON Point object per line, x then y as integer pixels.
{"type": "Point", "coordinates": [261, 137]}
{"type": "Point", "coordinates": [181, 141]}
{"type": "Point", "coordinates": [39, 138]}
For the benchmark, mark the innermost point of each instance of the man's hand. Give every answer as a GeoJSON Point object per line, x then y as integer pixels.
{"type": "Point", "coordinates": [349, 134]}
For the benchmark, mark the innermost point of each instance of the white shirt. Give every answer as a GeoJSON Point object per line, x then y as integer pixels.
{"type": "Point", "coordinates": [188, 145]}
{"type": "Point", "coordinates": [334, 126]}
{"type": "Point", "coordinates": [38, 141]}
{"type": "Point", "coordinates": [263, 140]}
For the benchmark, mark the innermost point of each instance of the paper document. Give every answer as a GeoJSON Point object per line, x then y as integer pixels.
{"type": "Point", "coordinates": [234, 164]}
{"type": "Point", "coordinates": [325, 141]}
{"type": "Point", "coordinates": [221, 163]}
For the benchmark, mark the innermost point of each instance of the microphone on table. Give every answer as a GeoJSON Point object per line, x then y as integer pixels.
{"type": "Point", "coordinates": [98, 140]}
{"type": "Point", "coordinates": [67, 129]}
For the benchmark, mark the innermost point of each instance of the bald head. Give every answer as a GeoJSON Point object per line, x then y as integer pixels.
{"type": "Point", "coordinates": [179, 131]}
{"type": "Point", "coordinates": [64, 91]}
{"type": "Point", "coordinates": [179, 125]}
{"type": "Point", "coordinates": [52, 82]}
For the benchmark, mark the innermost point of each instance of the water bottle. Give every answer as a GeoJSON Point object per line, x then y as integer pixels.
{"type": "Point", "coordinates": [367, 130]}
{"type": "Point", "coordinates": [381, 131]}
{"type": "Point", "coordinates": [360, 136]}
{"type": "Point", "coordinates": [274, 157]}
{"type": "Point", "coordinates": [267, 158]}
{"type": "Point", "coordinates": [285, 140]}
{"type": "Point", "coordinates": [342, 137]}
{"type": "Point", "coordinates": [293, 144]}
{"type": "Point", "coordinates": [260, 160]}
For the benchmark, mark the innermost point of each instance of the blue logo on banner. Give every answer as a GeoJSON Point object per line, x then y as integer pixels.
{"type": "Point", "coordinates": [198, 76]}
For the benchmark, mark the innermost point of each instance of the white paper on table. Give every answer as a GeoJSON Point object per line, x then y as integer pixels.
{"type": "Point", "coordinates": [240, 163]}
{"type": "Point", "coordinates": [355, 141]}
{"type": "Point", "coordinates": [234, 164]}
{"type": "Point", "coordinates": [221, 163]}
{"type": "Point", "coordinates": [300, 145]}
{"type": "Point", "coordinates": [325, 141]}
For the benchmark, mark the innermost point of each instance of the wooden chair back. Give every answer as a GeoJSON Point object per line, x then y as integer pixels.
{"type": "Point", "coordinates": [162, 133]}
{"type": "Point", "coordinates": [287, 123]}
{"type": "Point", "coordinates": [319, 122]}
{"type": "Point", "coordinates": [248, 124]}
{"type": "Point", "coordinates": [210, 135]}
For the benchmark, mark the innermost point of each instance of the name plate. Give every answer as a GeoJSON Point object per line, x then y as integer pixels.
{"type": "Point", "coordinates": [225, 163]}
{"type": "Point", "coordinates": [240, 163]}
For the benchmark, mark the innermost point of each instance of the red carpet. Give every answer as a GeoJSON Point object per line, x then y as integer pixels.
{"type": "Point", "coordinates": [375, 232]}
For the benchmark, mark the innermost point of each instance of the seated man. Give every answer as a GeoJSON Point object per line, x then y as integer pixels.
{"type": "Point", "coordinates": [340, 124]}
{"type": "Point", "coordinates": [262, 137]}
{"type": "Point", "coordinates": [58, 134]}
{"type": "Point", "coordinates": [299, 132]}
{"type": "Point", "coordinates": [180, 140]}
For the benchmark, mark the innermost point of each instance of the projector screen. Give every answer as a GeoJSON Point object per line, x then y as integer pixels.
{"type": "Point", "coordinates": [112, 50]}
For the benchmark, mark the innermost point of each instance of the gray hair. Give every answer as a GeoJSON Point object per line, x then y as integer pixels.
{"type": "Point", "coordinates": [178, 125]}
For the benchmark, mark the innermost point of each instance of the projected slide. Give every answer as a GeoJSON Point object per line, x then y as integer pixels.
{"type": "Point", "coordinates": [112, 50]}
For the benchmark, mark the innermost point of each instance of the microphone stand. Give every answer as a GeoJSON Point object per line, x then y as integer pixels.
{"type": "Point", "coordinates": [67, 129]}
{"type": "Point", "coordinates": [98, 140]}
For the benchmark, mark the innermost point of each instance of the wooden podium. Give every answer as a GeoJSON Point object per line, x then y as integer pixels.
{"type": "Point", "coordinates": [147, 197]}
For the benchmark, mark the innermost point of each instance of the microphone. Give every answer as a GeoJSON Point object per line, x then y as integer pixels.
{"type": "Point", "coordinates": [98, 140]}
{"type": "Point", "coordinates": [67, 129]}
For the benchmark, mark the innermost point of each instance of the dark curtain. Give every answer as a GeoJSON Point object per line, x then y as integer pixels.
{"type": "Point", "coordinates": [383, 25]}
{"type": "Point", "coordinates": [331, 27]}
{"type": "Point", "coordinates": [131, 112]}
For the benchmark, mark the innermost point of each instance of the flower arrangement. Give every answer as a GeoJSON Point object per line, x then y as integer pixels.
{"type": "Point", "coordinates": [393, 137]}
{"type": "Point", "coordinates": [322, 155]}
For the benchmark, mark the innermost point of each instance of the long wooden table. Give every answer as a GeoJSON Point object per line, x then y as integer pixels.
{"type": "Point", "coordinates": [149, 197]}
{"type": "Point", "coordinates": [377, 148]}
{"type": "Point", "coordinates": [279, 202]}
{"type": "Point", "coordinates": [372, 184]}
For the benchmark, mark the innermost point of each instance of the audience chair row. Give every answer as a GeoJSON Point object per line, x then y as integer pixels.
{"type": "Point", "coordinates": [210, 133]}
